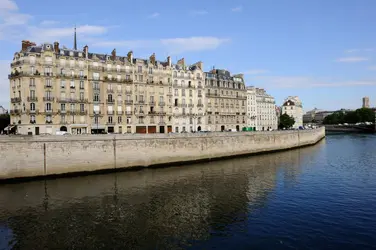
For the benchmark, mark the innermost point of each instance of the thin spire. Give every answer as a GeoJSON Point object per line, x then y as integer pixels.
{"type": "Point", "coordinates": [75, 38]}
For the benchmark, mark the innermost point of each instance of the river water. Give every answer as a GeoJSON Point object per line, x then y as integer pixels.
{"type": "Point", "coordinates": [319, 197]}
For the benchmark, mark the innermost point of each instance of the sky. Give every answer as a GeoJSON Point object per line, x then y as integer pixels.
{"type": "Point", "coordinates": [322, 51]}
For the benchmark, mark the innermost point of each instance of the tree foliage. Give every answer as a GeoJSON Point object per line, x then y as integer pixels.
{"type": "Point", "coordinates": [4, 121]}
{"type": "Point", "coordinates": [286, 121]}
{"type": "Point", "coordinates": [359, 115]}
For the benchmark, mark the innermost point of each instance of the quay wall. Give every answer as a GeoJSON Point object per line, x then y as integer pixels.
{"type": "Point", "coordinates": [32, 156]}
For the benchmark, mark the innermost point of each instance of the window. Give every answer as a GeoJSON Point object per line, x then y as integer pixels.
{"type": "Point", "coordinates": [183, 92]}
{"type": "Point", "coordinates": [32, 118]}
{"type": "Point", "coordinates": [32, 70]}
{"type": "Point", "coordinates": [127, 77]}
{"type": "Point", "coordinates": [48, 106]}
{"type": "Point", "coordinates": [141, 77]}
{"type": "Point", "coordinates": [175, 74]}
{"type": "Point", "coordinates": [109, 98]}
{"type": "Point", "coordinates": [81, 96]}
{"type": "Point", "coordinates": [81, 73]}
{"type": "Point", "coordinates": [139, 69]}
{"type": "Point", "coordinates": [82, 85]}
{"type": "Point", "coordinates": [62, 107]}
{"type": "Point", "coordinates": [190, 93]}
{"type": "Point", "coordinates": [72, 84]}
{"type": "Point", "coordinates": [96, 121]}
{"type": "Point", "coordinates": [96, 97]}
{"type": "Point", "coordinates": [176, 129]}
{"type": "Point", "coordinates": [48, 95]}
{"type": "Point", "coordinates": [48, 118]}
{"type": "Point", "coordinates": [119, 119]}
{"type": "Point", "coordinates": [32, 106]}
{"type": "Point", "coordinates": [161, 98]}
{"type": "Point", "coordinates": [82, 107]}
{"type": "Point", "coordinates": [150, 70]}
{"type": "Point", "coordinates": [32, 82]}
{"type": "Point", "coordinates": [96, 85]}
{"type": "Point", "coordinates": [72, 107]}
{"type": "Point", "coordinates": [176, 92]}
{"type": "Point", "coordinates": [62, 84]}
{"type": "Point", "coordinates": [48, 82]}
{"type": "Point", "coordinates": [32, 93]}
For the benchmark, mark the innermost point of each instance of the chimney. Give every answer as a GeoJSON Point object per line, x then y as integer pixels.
{"type": "Point", "coordinates": [181, 62]}
{"type": "Point", "coordinates": [200, 65]}
{"type": "Point", "coordinates": [86, 51]}
{"type": "Point", "coordinates": [26, 44]}
{"type": "Point", "coordinates": [130, 56]}
{"type": "Point", "coordinates": [152, 59]}
{"type": "Point", "coordinates": [113, 55]}
{"type": "Point", "coordinates": [169, 61]}
{"type": "Point", "coordinates": [56, 47]}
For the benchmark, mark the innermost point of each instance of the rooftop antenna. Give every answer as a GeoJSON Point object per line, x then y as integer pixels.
{"type": "Point", "coordinates": [75, 38]}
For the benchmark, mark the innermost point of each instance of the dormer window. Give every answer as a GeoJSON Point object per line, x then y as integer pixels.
{"type": "Point", "coordinates": [62, 52]}
{"type": "Point", "coordinates": [70, 53]}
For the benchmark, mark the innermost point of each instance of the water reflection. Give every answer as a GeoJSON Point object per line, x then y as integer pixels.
{"type": "Point", "coordinates": [156, 208]}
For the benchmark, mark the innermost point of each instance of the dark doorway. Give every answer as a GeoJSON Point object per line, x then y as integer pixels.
{"type": "Point", "coordinates": [237, 127]}
{"type": "Point", "coordinates": [36, 130]}
{"type": "Point", "coordinates": [161, 129]}
{"type": "Point", "coordinates": [222, 128]}
{"type": "Point", "coordinates": [63, 128]}
{"type": "Point", "coordinates": [169, 129]}
{"type": "Point", "coordinates": [110, 129]}
{"type": "Point", "coordinates": [199, 128]}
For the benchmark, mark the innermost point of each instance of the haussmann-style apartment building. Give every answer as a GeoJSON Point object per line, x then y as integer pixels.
{"type": "Point", "coordinates": [53, 88]}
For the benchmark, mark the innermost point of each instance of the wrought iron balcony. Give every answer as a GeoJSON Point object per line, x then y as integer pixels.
{"type": "Point", "coordinates": [32, 99]}
{"type": "Point", "coordinates": [15, 99]}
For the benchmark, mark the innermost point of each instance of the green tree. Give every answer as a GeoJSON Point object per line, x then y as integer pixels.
{"type": "Point", "coordinates": [4, 121]}
{"type": "Point", "coordinates": [365, 115]}
{"type": "Point", "coordinates": [286, 121]}
{"type": "Point", "coordinates": [359, 115]}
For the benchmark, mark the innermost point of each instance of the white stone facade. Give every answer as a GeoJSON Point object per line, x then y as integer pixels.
{"type": "Point", "coordinates": [261, 110]}
{"type": "Point", "coordinates": [294, 108]}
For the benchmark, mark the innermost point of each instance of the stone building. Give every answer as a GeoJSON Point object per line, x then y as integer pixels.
{"type": "Point", "coordinates": [262, 114]}
{"type": "Point", "coordinates": [72, 90]}
{"type": "Point", "coordinates": [365, 103]}
{"type": "Point", "coordinates": [294, 108]}
{"type": "Point", "coordinates": [189, 97]}
{"type": "Point", "coordinates": [226, 98]}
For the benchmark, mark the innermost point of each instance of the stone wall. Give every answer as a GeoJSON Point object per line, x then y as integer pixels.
{"type": "Point", "coordinates": [37, 156]}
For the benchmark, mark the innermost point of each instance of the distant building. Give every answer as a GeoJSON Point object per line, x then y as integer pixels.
{"type": "Point", "coordinates": [294, 108]}
{"type": "Point", "coordinates": [365, 102]}
{"type": "Point", "coordinates": [3, 110]}
{"type": "Point", "coordinates": [310, 115]}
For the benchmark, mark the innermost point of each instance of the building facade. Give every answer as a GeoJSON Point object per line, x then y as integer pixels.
{"type": "Point", "coordinates": [294, 108]}
{"type": "Point", "coordinates": [261, 108]}
{"type": "Point", "coordinates": [54, 88]}
{"type": "Point", "coordinates": [189, 97]}
{"type": "Point", "coordinates": [365, 103]}
{"type": "Point", "coordinates": [226, 98]}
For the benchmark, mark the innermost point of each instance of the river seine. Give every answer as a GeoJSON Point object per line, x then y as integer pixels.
{"type": "Point", "coordinates": [319, 197]}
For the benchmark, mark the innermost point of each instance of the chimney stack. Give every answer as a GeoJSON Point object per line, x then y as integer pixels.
{"type": "Point", "coordinates": [152, 59]}
{"type": "Point", "coordinates": [113, 55]}
{"type": "Point", "coordinates": [26, 44]}
{"type": "Point", "coordinates": [56, 47]}
{"type": "Point", "coordinates": [181, 62]}
{"type": "Point", "coordinates": [169, 61]}
{"type": "Point", "coordinates": [86, 51]}
{"type": "Point", "coordinates": [200, 65]}
{"type": "Point", "coordinates": [130, 56]}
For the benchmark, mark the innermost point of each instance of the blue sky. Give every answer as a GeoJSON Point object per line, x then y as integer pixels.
{"type": "Point", "coordinates": [324, 51]}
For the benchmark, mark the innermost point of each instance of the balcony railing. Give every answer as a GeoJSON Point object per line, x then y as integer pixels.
{"type": "Point", "coordinates": [128, 112]}
{"type": "Point", "coordinates": [15, 99]}
{"type": "Point", "coordinates": [48, 99]}
{"type": "Point", "coordinates": [191, 105]}
{"type": "Point", "coordinates": [110, 91]}
{"type": "Point", "coordinates": [32, 99]}
{"type": "Point", "coordinates": [128, 102]}
{"type": "Point", "coordinates": [161, 104]}
{"type": "Point", "coordinates": [110, 101]}
{"type": "Point", "coordinates": [151, 103]}
{"type": "Point", "coordinates": [119, 112]}
{"type": "Point", "coordinates": [110, 112]}
{"type": "Point", "coordinates": [200, 105]}
{"type": "Point", "coordinates": [128, 92]}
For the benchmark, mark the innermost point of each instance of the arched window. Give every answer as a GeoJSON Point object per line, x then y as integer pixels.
{"type": "Point", "coordinates": [110, 98]}
{"type": "Point", "coordinates": [32, 106]}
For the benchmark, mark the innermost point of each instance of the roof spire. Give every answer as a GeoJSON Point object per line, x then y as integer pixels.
{"type": "Point", "coordinates": [75, 38]}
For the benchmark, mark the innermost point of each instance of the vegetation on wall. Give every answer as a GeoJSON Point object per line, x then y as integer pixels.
{"type": "Point", "coordinates": [359, 115]}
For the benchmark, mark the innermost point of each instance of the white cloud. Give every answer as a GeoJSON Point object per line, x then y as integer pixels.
{"type": "Point", "coordinates": [300, 82]}
{"type": "Point", "coordinates": [4, 83]}
{"type": "Point", "coordinates": [352, 59]}
{"type": "Point", "coordinates": [8, 5]}
{"type": "Point", "coordinates": [171, 45]}
{"type": "Point", "coordinates": [256, 72]}
{"type": "Point", "coordinates": [180, 45]}
{"type": "Point", "coordinates": [38, 34]}
{"type": "Point", "coordinates": [199, 12]}
{"type": "Point", "coordinates": [154, 15]}
{"type": "Point", "coordinates": [373, 67]}
{"type": "Point", "coordinates": [237, 9]}
{"type": "Point", "coordinates": [359, 50]}
{"type": "Point", "coordinates": [49, 22]}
